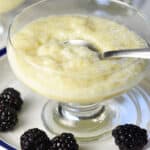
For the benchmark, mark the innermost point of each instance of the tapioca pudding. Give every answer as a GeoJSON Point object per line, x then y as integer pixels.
{"type": "Point", "coordinates": [75, 74]}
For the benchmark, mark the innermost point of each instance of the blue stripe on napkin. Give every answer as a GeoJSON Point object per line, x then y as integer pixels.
{"type": "Point", "coordinates": [5, 146]}
{"type": "Point", "coordinates": [2, 51]}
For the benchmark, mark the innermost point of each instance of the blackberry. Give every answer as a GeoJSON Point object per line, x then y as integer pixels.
{"type": "Point", "coordinates": [65, 141]}
{"type": "Point", "coordinates": [12, 98]}
{"type": "Point", "coordinates": [35, 139]}
{"type": "Point", "coordinates": [8, 118]}
{"type": "Point", "coordinates": [130, 137]}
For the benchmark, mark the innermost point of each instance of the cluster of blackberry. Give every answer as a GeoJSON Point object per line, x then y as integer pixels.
{"type": "Point", "coordinates": [36, 139]}
{"type": "Point", "coordinates": [130, 137]}
{"type": "Point", "coordinates": [127, 137]}
{"type": "Point", "coordinates": [10, 104]}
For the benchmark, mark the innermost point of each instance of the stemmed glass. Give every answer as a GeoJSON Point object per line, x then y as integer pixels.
{"type": "Point", "coordinates": [87, 120]}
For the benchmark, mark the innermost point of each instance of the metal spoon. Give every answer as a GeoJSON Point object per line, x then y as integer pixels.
{"type": "Point", "coordinates": [132, 53]}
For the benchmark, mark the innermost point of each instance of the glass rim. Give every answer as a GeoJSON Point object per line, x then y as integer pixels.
{"type": "Point", "coordinates": [140, 14]}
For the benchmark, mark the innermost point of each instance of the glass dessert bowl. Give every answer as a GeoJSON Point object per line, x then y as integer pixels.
{"type": "Point", "coordinates": [86, 94]}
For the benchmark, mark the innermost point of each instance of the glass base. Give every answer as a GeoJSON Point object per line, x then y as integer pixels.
{"type": "Point", "coordinates": [91, 122]}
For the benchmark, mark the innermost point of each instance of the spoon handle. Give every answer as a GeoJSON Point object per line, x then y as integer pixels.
{"type": "Point", "coordinates": [131, 53]}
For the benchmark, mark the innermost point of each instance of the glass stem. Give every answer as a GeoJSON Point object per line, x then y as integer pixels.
{"type": "Point", "coordinates": [80, 112]}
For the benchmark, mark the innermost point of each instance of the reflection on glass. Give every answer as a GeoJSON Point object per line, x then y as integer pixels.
{"type": "Point", "coordinates": [137, 3]}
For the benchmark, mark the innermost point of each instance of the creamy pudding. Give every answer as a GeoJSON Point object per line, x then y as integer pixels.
{"type": "Point", "coordinates": [75, 74]}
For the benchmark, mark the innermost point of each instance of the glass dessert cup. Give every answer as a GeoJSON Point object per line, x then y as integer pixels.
{"type": "Point", "coordinates": [91, 119]}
